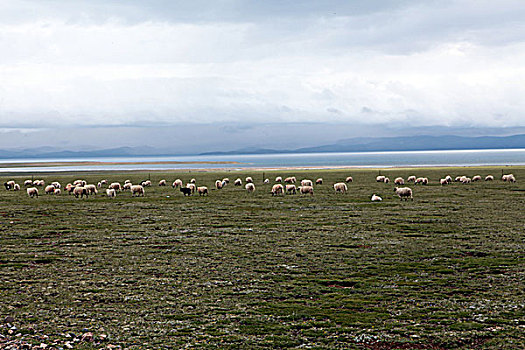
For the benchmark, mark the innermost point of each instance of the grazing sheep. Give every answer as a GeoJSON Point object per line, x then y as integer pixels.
{"type": "Point", "coordinates": [250, 187]}
{"type": "Point", "coordinates": [376, 198]}
{"type": "Point", "coordinates": [99, 184]}
{"type": "Point", "coordinates": [226, 180]}
{"type": "Point", "coordinates": [69, 188]}
{"type": "Point", "coordinates": [116, 186]}
{"type": "Point", "coordinates": [466, 180]}
{"type": "Point", "coordinates": [266, 181]}
{"type": "Point", "coordinates": [177, 183]}
{"type": "Point", "coordinates": [224, 183]}
{"type": "Point", "coordinates": [349, 179]}
{"type": "Point", "coordinates": [111, 193]}
{"type": "Point", "coordinates": [458, 178]}
{"type": "Point", "coordinates": [32, 192]}
{"type": "Point", "coordinates": [192, 187]}
{"type": "Point", "coordinates": [127, 186]}
{"type": "Point", "coordinates": [56, 184]}
{"type": "Point", "coordinates": [202, 190]}
{"type": "Point", "coordinates": [80, 191]}
{"type": "Point", "coordinates": [192, 181]}
{"type": "Point", "coordinates": [508, 178]}
{"type": "Point", "coordinates": [476, 178]}
{"type": "Point", "coordinates": [411, 178]}
{"type": "Point", "coordinates": [399, 181]}
{"type": "Point", "coordinates": [291, 189]}
{"type": "Point", "coordinates": [443, 182]}
{"type": "Point", "coordinates": [162, 182]}
{"type": "Point", "coordinates": [380, 178]}
{"type": "Point", "coordinates": [340, 187]}
{"type": "Point", "coordinates": [277, 189]}
{"type": "Point", "coordinates": [448, 178]}
{"type": "Point", "coordinates": [306, 182]}
{"type": "Point", "coordinates": [237, 182]}
{"type": "Point", "coordinates": [404, 193]}
{"type": "Point", "coordinates": [421, 180]}
{"type": "Point", "coordinates": [218, 184]}
{"type": "Point", "coordinates": [145, 183]}
{"type": "Point", "coordinates": [9, 184]}
{"type": "Point", "coordinates": [127, 181]}
{"type": "Point", "coordinates": [49, 189]}
{"type": "Point", "coordinates": [386, 180]}
{"type": "Point", "coordinates": [306, 190]}
{"type": "Point", "coordinates": [57, 191]}
{"type": "Point", "coordinates": [104, 182]}
{"type": "Point", "coordinates": [137, 190]}
{"type": "Point", "coordinates": [39, 183]}
{"type": "Point", "coordinates": [278, 179]}
{"type": "Point", "coordinates": [290, 180]}
{"type": "Point", "coordinates": [319, 181]}
{"type": "Point", "coordinates": [185, 191]}
{"type": "Point", "coordinates": [248, 179]}
{"type": "Point", "coordinates": [16, 187]}
{"type": "Point", "coordinates": [28, 183]}
{"type": "Point", "coordinates": [91, 189]}
{"type": "Point", "coordinates": [489, 178]}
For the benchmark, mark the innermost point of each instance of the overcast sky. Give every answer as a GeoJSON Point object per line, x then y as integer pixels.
{"type": "Point", "coordinates": [131, 63]}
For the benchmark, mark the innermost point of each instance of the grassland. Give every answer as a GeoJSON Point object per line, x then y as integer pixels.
{"type": "Point", "coordinates": [238, 270]}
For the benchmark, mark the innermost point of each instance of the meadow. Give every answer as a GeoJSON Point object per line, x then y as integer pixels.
{"type": "Point", "coordinates": [247, 270]}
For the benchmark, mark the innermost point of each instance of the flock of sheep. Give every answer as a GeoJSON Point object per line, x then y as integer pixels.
{"type": "Point", "coordinates": [80, 188]}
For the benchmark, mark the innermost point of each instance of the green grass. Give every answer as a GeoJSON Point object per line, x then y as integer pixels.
{"type": "Point", "coordinates": [239, 270]}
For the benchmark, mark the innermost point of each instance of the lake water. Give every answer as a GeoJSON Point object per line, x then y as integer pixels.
{"type": "Point", "coordinates": [303, 160]}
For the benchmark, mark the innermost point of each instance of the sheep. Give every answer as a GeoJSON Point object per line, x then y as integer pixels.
{"type": "Point", "coordinates": [69, 188]}
{"type": "Point", "coordinates": [306, 190]}
{"type": "Point", "coordinates": [224, 183]}
{"type": "Point", "coordinates": [458, 178]}
{"type": "Point", "coordinates": [421, 180]}
{"type": "Point", "coordinates": [127, 186]}
{"type": "Point", "coordinates": [399, 181]}
{"type": "Point", "coordinates": [248, 179]}
{"type": "Point", "coordinates": [99, 184]}
{"type": "Point", "coordinates": [28, 183]}
{"type": "Point", "coordinates": [226, 180]}
{"type": "Point", "coordinates": [192, 187]}
{"type": "Point", "coordinates": [376, 198]}
{"type": "Point", "coordinates": [9, 185]}
{"type": "Point", "coordinates": [137, 190]}
{"type": "Point", "coordinates": [80, 191]}
{"type": "Point", "coordinates": [476, 178]}
{"type": "Point", "coordinates": [111, 193]}
{"type": "Point", "coordinates": [411, 178]}
{"type": "Point", "coordinates": [250, 187]}
{"type": "Point", "coordinates": [349, 179]}
{"type": "Point", "coordinates": [145, 183]}
{"type": "Point", "coordinates": [466, 180]}
{"type": "Point", "coordinates": [218, 184]}
{"type": "Point", "coordinates": [508, 178]}
{"type": "Point", "coordinates": [49, 189]}
{"type": "Point", "coordinates": [489, 178]}
{"type": "Point", "coordinates": [202, 190]}
{"type": "Point", "coordinates": [278, 179]}
{"type": "Point", "coordinates": [116, 186]}
{"type": "Point", "coordinates": [386, 180]}
{"type": "Point", "coordinates": [91, 189]}
{"type": "Point", "coordinates": [266, 181]}
{"type": "Point", "coordinates": [443, 182]}
{"type": "Point", "coordinates": [340, 187]}
{"type": "Point", "coordinates": [104, 181]}
{"type": "Point", "coordinates": [192, 181]}
{"type": "Point", "coordinates": [16, 187]}
{"type": "Point", "coordinates": [448, 178]}
{"type": "Point", "coordinates": [127, 181]}
{"type": "Point", "coordinates": [185, 191]}
{"type": "Point", "coordinates": [177, 183]}
{"type": "Point", "coordinates": [290, 180]}
{"type": "Point", "coordinates": [57, 191]}
{"type": "Point", "coordinates": [78, 182]}
{"type": "Point", "coordinates": [39, 183]}
{"type": "Point", "coordinates": [238, 182]}
{"type": "Point", "coordinates": [307, 182]}
{"type": "Point", "coordinates": [277, 189]}
{"type": "Point", "coordinates": [380, 178]}
{"type": "Point", "coordinates": [291, 189]}
{"type": "Point", "coordinates": [56, 184]}
{"type": "Point", "coordinates": [319, 181]}
{"type": "Point", "coordinates": [32, 192]}
{"type": "Point", "coordinates": [162, 182]}
{"type": "Point", "coordinates": [404, 193]}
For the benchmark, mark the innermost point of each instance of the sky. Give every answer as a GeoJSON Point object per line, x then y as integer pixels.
{"type": "Point", "coordinates": [328, 69]}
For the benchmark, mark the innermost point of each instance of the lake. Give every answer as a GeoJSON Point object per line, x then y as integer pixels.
{"type": "Point", "coordinates": [302, 160]}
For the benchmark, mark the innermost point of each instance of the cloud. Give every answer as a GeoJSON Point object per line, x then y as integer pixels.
{"type": "Point", "coordinates": [122, 63]}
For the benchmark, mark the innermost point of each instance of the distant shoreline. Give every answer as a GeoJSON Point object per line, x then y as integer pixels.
{"type": "Point", "coordinates": [95, 163]}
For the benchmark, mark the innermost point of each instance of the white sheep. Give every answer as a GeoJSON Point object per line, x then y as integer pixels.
{"type": "Point", "coordinates": [380, 178]}
{"type": "Point", "coordinates": [99, 184]}
{"type": "Point", "coordinates": [448, 178]}
{"type": "Point", "coordinates": [278, 179]}
{"type": "Point", "coordinates": [111, 193]}
{"type": "Point", "coordinates": [226, 180]}
{"type": "Point", "coordinates": [411, 178]}
{"type": "Point", "coordinates": [116, 186]}
{"type": "Point", "coordinates": [306, 190]}
{"type": "Point", "coordinates": [277, 189]}
{"type": "Point", "coordinates": [146, 183]}
{"type": "Point", "coordinates": [465, 180]}
{"type": "Point", "coordinates": [307, 182]}
{"type": "Point", "coordinates": [56, 184]}
{"type": "Point", "coordinates": [319, 181]}
{"type": "Point", "coordinates": [49, 189]}
{"type": "Point", "coordinates": [386, 180]}
{"type": "Point", "coordinates": [218, 184]}
{"type": "Point", "coordinates": [476, 178]}
{"type": "Point", "coordinates": [127, 181]}
{"type": "Point", "coordinates": [177, 183]}
{"type": "Point", "coordinates": [104, 181]}
{"type": "Point", "coordinates": [91, 189]}
{"type": "Point", "coordinates": [266, 181]}
{"type": "Point", "coordinates": [399, 181]}
{"type": "Point", "coordinates": [421, 180]}
{"type": "Point", "coordinates": [28, 183]}
{"type": "Point", "coordinates": [489, 178]}
{"type": "Point", "coordinates": [80, 191]}
{"type": "Point", "coordinates": [237, 182]}
{"type": "Point", "coordinates": [57, 191]}
{"type": "Point", "coordinates": [32, 192]}
{"type": "Point", "coordinates": [349, 179]}
{"type": "Point", "coordinates": [290, 180]}
{"type": "Point", "coordinates": [404, 193]}
{"type": "Point", "coordinates": [127, 186]}
{"type": "Point", "coordinates": [376, 198]}
{"type": "Point", "coordinates": [202, 190]}
{"type": "Point", "coordinates": [191, 186]}
{"type": "Point", "coordinates": [250, 187]}
{"type": "Point", "coordinates": [291, 189]}
{"type": "Point", "coordinates": [137, 190]}
{"type": "Point", "coordinates": [248, 179]}
{"type": "Point", "coordinates": [162, 182]}
{"type": "Point", "coordinates": [443, 182]}
{"type": "Point", "coordinates": [192, 181]}
{"type": "Point", "coordinates": [340, 187]}
{"type": "Point", "coordinates": [16, 187]}
{"type": "Point", "coordinates": [508, 178]}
